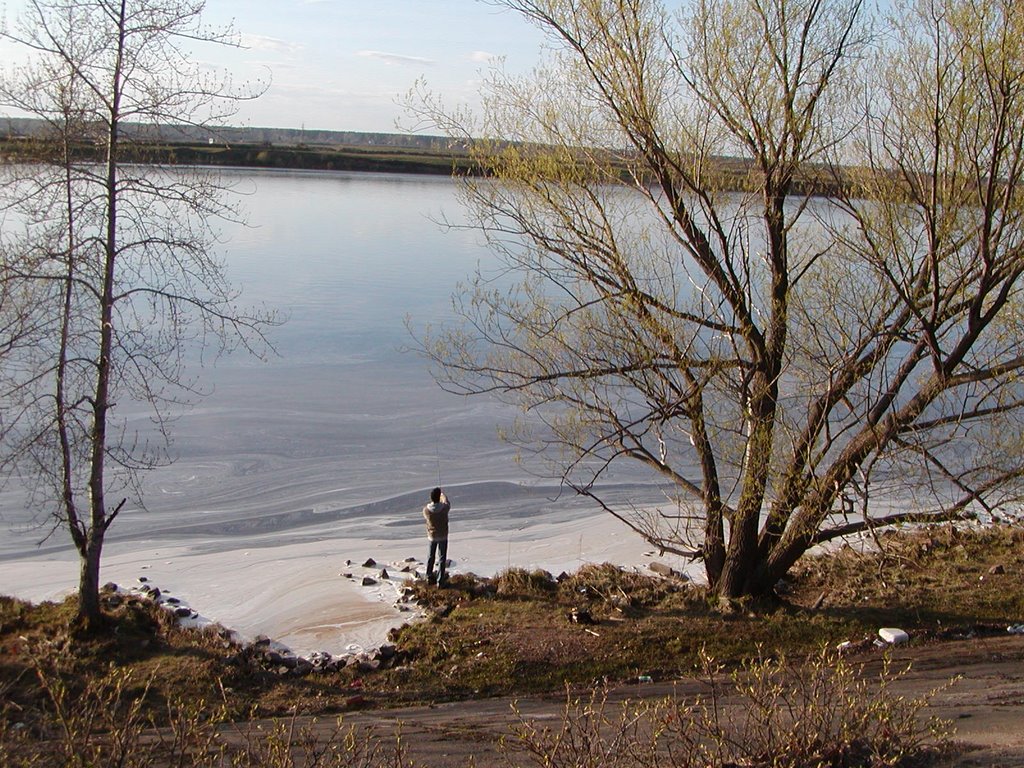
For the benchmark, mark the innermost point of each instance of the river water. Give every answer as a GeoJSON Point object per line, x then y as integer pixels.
{"type": "Point", "coordinates": [343, 432]}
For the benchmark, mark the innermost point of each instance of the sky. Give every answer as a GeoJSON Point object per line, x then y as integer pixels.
{"type": "Point", "coordinates": [343, 64]}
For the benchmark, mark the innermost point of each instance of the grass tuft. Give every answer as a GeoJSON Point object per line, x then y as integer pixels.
{"type": "Point", "coordinates": [520, 583]}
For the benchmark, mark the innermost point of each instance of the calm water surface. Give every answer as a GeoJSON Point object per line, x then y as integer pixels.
{"type": "Point", "coordinates": [343, 432]}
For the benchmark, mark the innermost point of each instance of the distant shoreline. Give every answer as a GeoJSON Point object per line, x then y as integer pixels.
{"type": "Point", "coordinates": [313, 150]}
{"type": "Point", "coordinates": [380, 159]}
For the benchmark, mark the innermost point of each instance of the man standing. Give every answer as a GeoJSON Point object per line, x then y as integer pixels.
{"type": "Point", "coordinates": [436, 515]}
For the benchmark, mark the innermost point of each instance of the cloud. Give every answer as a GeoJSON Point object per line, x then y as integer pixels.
{"type": "Point", "coordinates": [273, 44]}
{"type": "Point", "coordinates": [395, 58]}
{"type": "Point", "coordinates": [482, 57]}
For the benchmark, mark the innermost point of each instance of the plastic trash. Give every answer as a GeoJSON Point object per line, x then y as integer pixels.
{"type": "Point", "coordinates": [1016, 629]}
{"type": "Point", "coordinates": [893, 636]}
{"type": "Point", "coordinates": [645, 679]}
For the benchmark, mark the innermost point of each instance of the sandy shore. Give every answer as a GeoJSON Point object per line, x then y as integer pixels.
{"type": "Point", "coordinates": [308, 595]}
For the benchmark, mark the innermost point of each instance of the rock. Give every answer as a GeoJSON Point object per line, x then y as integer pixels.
{"type": "Point", "coordinates": [369, 665]}
{"type": "Point", "coordinates": [172, 601]}
{"type": "Point", "coordinates": [893, 636]}
{"type": "Point", "coordinates": [143, 579]}
{"type": "Point", "coordinates": [387, 651]}
{"type": "Point", "coordinates": [579, 616]}
{"type": "Point", "coordinates": [661, 569]}
{"type": "Point", "coordinates": [997, 569]}
{"type": "Point", "coordinates": [110, 587]}
{"type": "Point", "coordinates": [384, 574]}
{"type": "Point", "coordinates": [370, 563]}
{"type": "Point", "coordinates": [410, 560]}
{"type": "Point", "coordinates": [320, 658]}
{"type": "Point", "coordinates": [368, 581]}
{"type": "Point", "coordinates": [183, 613]}
{"type": "Point", "coordinates": [227, 637]}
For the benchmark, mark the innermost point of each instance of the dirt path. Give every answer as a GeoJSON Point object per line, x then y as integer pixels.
{"type": "Point", "coordinates": [986, 707]}
{"type": "Point", "coordinates": [986, 704]}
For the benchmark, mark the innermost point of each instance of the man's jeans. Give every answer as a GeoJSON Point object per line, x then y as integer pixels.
{"type": "Point", "coordinates": [437, 548]}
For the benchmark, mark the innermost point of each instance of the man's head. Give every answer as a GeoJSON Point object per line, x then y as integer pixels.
{"type": "Point", "coordinates": [435, 495]}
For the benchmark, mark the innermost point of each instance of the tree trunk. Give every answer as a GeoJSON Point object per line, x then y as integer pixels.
{"type": "Point", "coordinates": [741, 556]}
{"type": "Point", "coordinates": [89, 586]}
{"type": "Point", "coordinates": [89, 618]}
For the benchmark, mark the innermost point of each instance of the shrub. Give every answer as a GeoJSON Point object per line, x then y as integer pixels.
{"type": "Point", "coordinates": [105, 724]}
{"type": "Point", "coordinates": [823, 712]}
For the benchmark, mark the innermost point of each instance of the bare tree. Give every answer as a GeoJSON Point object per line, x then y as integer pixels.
{"type": "Point", "coordinates": [770, 250]}
{"type": "Point", "coordinates": [119, 258]}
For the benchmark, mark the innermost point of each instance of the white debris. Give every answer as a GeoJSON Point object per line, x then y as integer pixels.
{"type": "Point", "coordinates": [893, 636]}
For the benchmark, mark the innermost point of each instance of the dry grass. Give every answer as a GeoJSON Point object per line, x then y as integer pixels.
{"type": "Point", "coordinates": [939, 580]}
{"type": "Point", "coordinates": [519, 635]}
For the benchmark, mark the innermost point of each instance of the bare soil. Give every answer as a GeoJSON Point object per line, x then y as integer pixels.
{"type": "Point", "coordinates": [985, 705]}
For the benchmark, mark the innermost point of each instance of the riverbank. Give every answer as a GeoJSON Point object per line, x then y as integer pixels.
{"type": "Point", "coordinates": [436, 156]}
{"type": "Point", "coordinates": [598, 628]}
{"type": "Point", "coordinates": [310, 595]}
